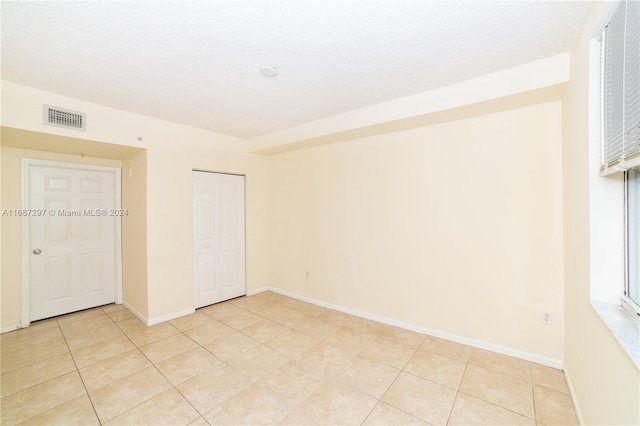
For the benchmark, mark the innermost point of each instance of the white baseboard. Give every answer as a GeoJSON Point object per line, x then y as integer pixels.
{"type": "Point", "coordinates": [257, 290]}
{"type": "Point", "coordinates": [157, 320]}
{"type": "Point", "coordinates": [173, 315]}
{"type": "Point", "coordinates": [527, 356]}
{"type": "Point", "coordinates": [135, 312]}
{"type": "Point", "coordinates": [574, 397]}
{"type": "Point", "coordinates": [9, 328]}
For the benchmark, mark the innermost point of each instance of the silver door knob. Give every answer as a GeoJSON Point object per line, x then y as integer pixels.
{"type": "Point", "coordinates": [37, 251]}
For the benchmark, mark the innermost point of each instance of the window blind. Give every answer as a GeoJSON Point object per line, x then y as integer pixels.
{"type": "Point", "coordinates": [621, 89]}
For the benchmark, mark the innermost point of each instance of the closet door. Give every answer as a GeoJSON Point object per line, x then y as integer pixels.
{"type": "Point", "coordinates": [218, 237]}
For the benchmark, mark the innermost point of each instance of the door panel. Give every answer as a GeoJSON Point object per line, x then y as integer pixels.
{"type": "Point", "coordinates": [76, 266]}
{"type": "Point", "coordinates": [219, 251]}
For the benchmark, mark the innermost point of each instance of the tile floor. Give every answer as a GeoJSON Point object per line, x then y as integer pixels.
{"type": "Point", "coordinates": [264, 359]}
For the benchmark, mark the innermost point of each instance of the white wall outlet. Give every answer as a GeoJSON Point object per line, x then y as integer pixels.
{"type": "Point", "coordinates": [332, 278]}
{"type": "Point", "coordinates": [174, 232]}
{"type": "Point", "coordinates": [546, 317]}
{"type": "Point", "coordinates": [308, 274]}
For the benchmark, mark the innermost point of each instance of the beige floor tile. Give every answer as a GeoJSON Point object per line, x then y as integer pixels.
{"type": "Point", "coordinates": [97, 352]}
{"type": "Point", "coordinates": [437, 368]}
{"type": "Point", "coordinates": [121, 315]}
{"type": "Point", "coordinates": [337, 403]}
{"type": "Point", "coordinates": [349, 339]}
{"type": "Point", "coordinates": [468, 410]}
{"type": "Point", "coordinates": [258, 361]}
{"type": "Point", "coordinates": [407, 337]}
{"type": "Point", "coordinates": [78, 411]}
{"type": "Point", "coordinates": [296, 418]}
{"type": "Point", "coordinates": [213, 387]}
{"type": "Point", "coordinates": [33, 327]}
{"type": "Point", "coordinates": [210, 332]}
{"type": "Point", "coordinates": [504, 390]}
{"type": "Point", "coordinates": [153, 334]}
{"type": "Point", "coordinates": [200, 421]}
{"type": "Point", "coordinates": [38, 399]}
{"type": "Point", "coordinates": [264, 330]}
{"type": "Point", "coordinates": [89, 337]}
{"type": "Point", "coordinates": [24, 357]}
{"type": "Point", "coordinates": [270, 296]}
{"type": "Point", "coordinates": [421, 398]}
{"type": "Point", "coordinates": [325, 355]}
{"type": "Point", "coordinates": [28, 339]}
{"type": "Point", "coordinates": [447, 348]}
{"type": "Point", "coordinates": [252, 406]}
{"type": "Point", "coordinates": [388, 352]}
{"type": "Point", "coordinates": [130, 326]}
{"type": "Point", "coordinates": [292, 318]}
{"type": "Point", "coordinates": [80, 315]}
{"type": "Point", "coordinates": [123, 394]}
{"type": "Point", "coordinates": [91, 323]}
{"type": "Point", "coordinates": [112, 308]}
{"type": "Point", "coordinates": [384, 414]}
{"type": "Point", "coordinates": [553, 407]}
{"type": "Point", "coordinates": [241, 320]}
{"type": "Point", "coordinates": [292, 343]}
{"type": "Point", "coordinates": [293, 382]}
{"type": "Point", "coordinates": [549, 377]}
{"type": "Point", "coordinates": [369, 377]}
{"type": "Point", "coordinates": [194, 320]}
{"type": "Point", "coordinates": [501, 363]}
{"type": "Point", "coordinates": [189, 364]}
{"type": "Point", "coordinates": [230, 345]}
{"type": "Point", "coordinates": [247, 302]}
{"type": "Point", "coordinates": [36, 373]}
{"type": "Point", "coordinates": [166, 348]}
{"type": "Point", "coordinates": [115, 368]}
{"type": "Point", "coordinates": [315, 327]}
{"type": "Point", "coordinates": [168, 408]}
{"type": "Point", "coordinates": [221, 310]}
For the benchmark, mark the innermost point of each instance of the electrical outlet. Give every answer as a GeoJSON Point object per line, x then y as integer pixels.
{"type": "Point", "coordinates": [546, 317]}
{"type": "Point", "coordinates": [308, 274]}
{"type": "Point", "coordinates": [332, 278]}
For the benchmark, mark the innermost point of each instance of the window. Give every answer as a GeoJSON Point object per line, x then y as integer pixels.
{"type": "Point", "coordinates": [621, 89]}
{"type": "Point", "coordinates": [620, 99]}
{"type": "Point", "coordinates": [632, 290]}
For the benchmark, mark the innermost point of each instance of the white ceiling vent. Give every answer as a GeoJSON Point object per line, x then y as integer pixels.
{"type": "Point", "coordinates": [59, 117]}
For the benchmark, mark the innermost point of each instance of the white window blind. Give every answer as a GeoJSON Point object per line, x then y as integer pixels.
{"type": "Point", "coordinates": [621, 89]}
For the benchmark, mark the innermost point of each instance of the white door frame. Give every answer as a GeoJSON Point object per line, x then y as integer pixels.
{"type": "Point", "coordinates": [27, 163]}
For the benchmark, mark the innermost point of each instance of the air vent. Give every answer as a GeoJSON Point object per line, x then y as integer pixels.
{"type": "Point", "coordinates": [59, 117]}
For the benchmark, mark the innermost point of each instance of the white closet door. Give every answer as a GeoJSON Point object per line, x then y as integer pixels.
{"type": "Point", "coordinates": [218, 237]}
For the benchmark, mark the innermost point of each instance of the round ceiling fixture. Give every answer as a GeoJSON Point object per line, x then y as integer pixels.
{"type": "Point", "coordinates": [268, 71]}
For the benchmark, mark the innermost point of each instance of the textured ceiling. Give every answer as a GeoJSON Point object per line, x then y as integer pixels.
{"type": "Point", "coordinates": [197, 63]}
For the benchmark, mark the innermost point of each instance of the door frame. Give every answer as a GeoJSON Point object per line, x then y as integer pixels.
{"type": "Point", "coordinates": [244, 224]}
{"type": "Point", "coordinates": [27, 163]}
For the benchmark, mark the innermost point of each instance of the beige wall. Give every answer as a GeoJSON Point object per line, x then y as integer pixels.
{"type": "Point", "coordinates": [172, 151]}
{"type": "Point", "coordinates": [606, 381]}
{"type": "Point", "coordinates": [11, 177]}
{"type": "Point", "coordinates": [455, 227]}
{"type": "Point", "coordinates": [135, 294]}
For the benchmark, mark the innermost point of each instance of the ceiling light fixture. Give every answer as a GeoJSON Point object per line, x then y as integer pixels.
{"type": "Point", "coordinates": [268, 71]}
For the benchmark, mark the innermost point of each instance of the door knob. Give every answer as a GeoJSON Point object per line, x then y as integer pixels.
{"type": "Point", "coordinates": [37, 251]}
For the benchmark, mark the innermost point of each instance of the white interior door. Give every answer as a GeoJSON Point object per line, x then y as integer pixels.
{"type": "Point", "coordinates": [218, 237]}
{"type": "Point", "coordinates": [72, 237]}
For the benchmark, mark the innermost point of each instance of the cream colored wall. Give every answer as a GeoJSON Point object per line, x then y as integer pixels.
{"type": "Point", "coordinates": [11, 176]}
{"type": "Point", "coordinates": [172, 151]}
{"type": "Point", "coordinates": [134, 233]}
{"type": "Point", "coordinates": [455, 227]}
{"type": "Point", "coordinates": [605, 380]}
